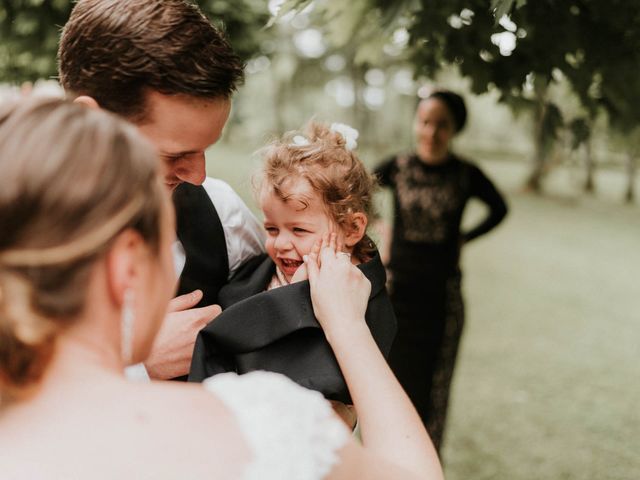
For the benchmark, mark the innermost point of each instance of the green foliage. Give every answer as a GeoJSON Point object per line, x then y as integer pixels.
{"type": "Point", "coordinates": [361, 28]}
{"type": "Point", "coordinates": [552, 123]}
{"type": "Point", "coordinates": [242, 20]}
{"type": "Point", "coordinates": [517, 48]}
{"type": "Point", "coordinates": [29, 32]}
{"type": "Point", "coordinates": [595, 45]}
{"type": "Point", "coordinates": [580, 129]}
{"type": "Point", "coordinates": [503, 7]}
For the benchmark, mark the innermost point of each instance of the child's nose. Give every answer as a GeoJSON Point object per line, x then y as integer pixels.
{"type": "Point", "coordinates": [283, 242]}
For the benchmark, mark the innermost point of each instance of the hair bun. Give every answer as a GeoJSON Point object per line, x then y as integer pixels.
{"type": "Point", "coordinates": [26, 341]}
{"type": "Point", "coordinates": [55, 235]}
{"type": "Point", "coordinates": [455, 104]}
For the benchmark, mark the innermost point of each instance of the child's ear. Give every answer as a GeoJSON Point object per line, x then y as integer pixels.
{"type": "Point", "coordinates": [356, 228]}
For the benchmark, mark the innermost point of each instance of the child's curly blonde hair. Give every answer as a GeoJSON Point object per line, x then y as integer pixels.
{"type": "Point", "coordinates": [319, 155]}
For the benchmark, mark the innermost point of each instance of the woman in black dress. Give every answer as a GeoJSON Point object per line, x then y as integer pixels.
{"type": "Point", "coordinates": [431, 188]}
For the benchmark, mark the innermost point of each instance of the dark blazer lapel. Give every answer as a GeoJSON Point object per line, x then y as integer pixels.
{"type": "Point", "coordinates": [374, 271]}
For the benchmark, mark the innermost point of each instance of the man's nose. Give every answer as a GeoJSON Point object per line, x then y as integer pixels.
{"type": "Point", "coordinates": [192, 170]}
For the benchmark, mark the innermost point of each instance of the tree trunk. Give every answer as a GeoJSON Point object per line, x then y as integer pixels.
{"type": "Point", "coordinates": [359, 110]}
{"type": "Point", "coordinates": [589, 184]}
{"type": "Point", "coordinates": [280, 93]}
{"type": "Point", "coordinates": [534, 181]}
{"type": "Point", "coordinates": [631, 178]}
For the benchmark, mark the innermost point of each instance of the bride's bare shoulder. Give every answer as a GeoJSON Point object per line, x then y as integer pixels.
{"type": "Point", "coordinates": [187, 403]}
{"type": "Point", "coordinates": [195, 422]}
{"type": "Point", "coordinates": [158, 430]}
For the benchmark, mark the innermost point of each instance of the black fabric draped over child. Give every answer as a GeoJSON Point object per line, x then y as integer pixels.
{"type": "Point", "coordinates": [276, 330]}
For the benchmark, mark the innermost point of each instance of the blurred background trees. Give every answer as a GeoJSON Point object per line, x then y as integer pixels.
{"type": "Point", "coordinates": [29, 32]}
{"type": "Point", "coordinates": [565, 70]}
{"type": "Point", "coordinates": [534, 54]}
{"type": "Point", "coordinates": [29, 38]}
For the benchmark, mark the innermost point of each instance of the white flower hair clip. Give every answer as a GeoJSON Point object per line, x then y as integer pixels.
{"type": "Point", "coordinates": [300, 141]}
{"type": "Point", "coordinates": [349, 134]}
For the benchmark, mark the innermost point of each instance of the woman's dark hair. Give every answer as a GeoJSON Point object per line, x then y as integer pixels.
{"type": "Point", "coordinates": [115, 50]}
{"type": "Point", "coordinates": [455, 104]}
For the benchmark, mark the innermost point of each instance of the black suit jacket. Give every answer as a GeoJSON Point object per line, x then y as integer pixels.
{"type": "Point", "coordinates": [277, 331]}
{"type": "Point", "coordinates": [200, 231]}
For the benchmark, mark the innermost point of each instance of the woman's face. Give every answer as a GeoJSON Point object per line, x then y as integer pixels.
{"type": "Point", "coordinates": [434, 128]}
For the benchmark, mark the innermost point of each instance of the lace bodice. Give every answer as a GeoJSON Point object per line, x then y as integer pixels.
{"type": "Point", "coordinates": [291, 431]}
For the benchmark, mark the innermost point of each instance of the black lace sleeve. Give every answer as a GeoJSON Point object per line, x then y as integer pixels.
{"type": "Point", "coordinates": [385, 172]}
{"type": "Point", "coordinates": [482, 188]}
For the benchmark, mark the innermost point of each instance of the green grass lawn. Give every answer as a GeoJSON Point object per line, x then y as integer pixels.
{"type": "Point", "coordinates": [547, 384]}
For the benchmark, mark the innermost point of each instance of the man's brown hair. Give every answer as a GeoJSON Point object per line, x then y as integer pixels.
{"type": "Point", "coordinates": [115, 50]}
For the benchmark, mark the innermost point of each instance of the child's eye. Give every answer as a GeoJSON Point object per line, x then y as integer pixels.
{"type": "Point", "coordinates": [272, 231]}
{"type": "Point", "coordinates": [300, 230]}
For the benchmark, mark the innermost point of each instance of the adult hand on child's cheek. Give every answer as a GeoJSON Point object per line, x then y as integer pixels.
{"type": "Point", "coordinates": [172, 349]}
{"type": "Point", "coordinates": [339, 290]}
{"type": "Point", "coordinates": [302, 274]}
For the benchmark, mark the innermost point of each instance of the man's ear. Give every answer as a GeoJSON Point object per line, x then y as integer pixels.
{"type": "Point", "coordinates": [87, 101]}
{"type": "Point", "coordinates": [355, 228]}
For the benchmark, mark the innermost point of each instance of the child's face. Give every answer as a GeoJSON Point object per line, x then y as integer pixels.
{"type": "Point", "coordinates": [291, 229]}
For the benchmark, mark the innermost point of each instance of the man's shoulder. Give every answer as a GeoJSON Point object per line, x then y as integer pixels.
{"type": "Point", "coordinates": [215, 186]}
{"type": "Point", "coordinates": [224, 198]}
{"type": "Point", "coordinates": [212, 182]}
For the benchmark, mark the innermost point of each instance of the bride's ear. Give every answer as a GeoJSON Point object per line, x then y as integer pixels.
{"type": "Point", "coordinates": [86, 101]}
{"type": "Point", "coordinates": [356, 228]}
{"type": "Point", "coordinates": [123, 262]}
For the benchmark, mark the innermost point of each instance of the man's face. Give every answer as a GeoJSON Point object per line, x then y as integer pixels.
{"type": "Point", "coordinates": [182, 127]}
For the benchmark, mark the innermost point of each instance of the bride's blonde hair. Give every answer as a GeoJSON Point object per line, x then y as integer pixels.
{"type": "Point", "coordinates": [71, 179]}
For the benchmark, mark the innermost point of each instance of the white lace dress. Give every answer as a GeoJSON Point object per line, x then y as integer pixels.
{"type": "Point", "coordinates": [292, 432]}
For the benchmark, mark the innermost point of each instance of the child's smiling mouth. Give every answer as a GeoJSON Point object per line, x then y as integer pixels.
{"type": "Point", "coordinates": [289, 266]}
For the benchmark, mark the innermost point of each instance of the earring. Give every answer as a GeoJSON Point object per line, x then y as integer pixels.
{"type": "Point", "coordinates": [126, 327]}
